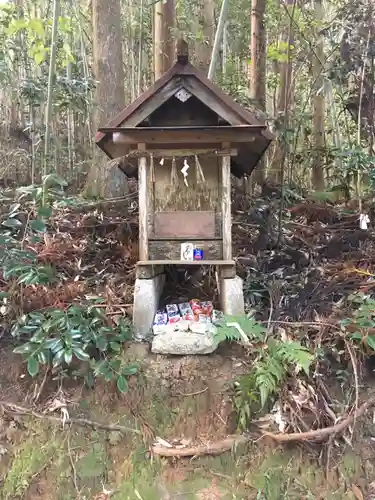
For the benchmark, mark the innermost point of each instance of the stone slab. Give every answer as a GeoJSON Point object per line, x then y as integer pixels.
{"type": "Point", "coordinates": [231, 296]}
{"type": "Point", "coordinates": [147, 294]}
{"type": "Point", "coordinates": [182, 343]}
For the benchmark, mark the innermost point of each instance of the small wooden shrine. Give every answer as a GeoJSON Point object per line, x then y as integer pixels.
{"type": "Point", "coordinates": [183, 138]}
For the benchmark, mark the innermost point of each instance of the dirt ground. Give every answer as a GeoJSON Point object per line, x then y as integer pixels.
{"type": "Point", "coordinates": [174, 398]}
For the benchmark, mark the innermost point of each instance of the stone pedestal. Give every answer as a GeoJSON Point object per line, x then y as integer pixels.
{"type": "Point", "coordinates": [184, 343]}
{"type": "Point", "coordinates": [231, 296]}
{"type": "Point", "coordinates": [147, 292]}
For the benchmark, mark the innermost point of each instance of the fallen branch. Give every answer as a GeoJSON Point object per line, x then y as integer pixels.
{"type": "Point", "coordinates": [216, 448]}
{"type": "Point", "coordinates": [231, 441]}
{"type": "Point", "coordinates": [84, 422]}
{"type": "Point", "coordinates": [322, 434]}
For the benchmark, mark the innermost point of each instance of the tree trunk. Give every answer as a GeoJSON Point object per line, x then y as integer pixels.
{"type": "Point", "coordinates": [283, 100]}
{"type": "Point", "coordinates": [104, 181]}
{"type": "Point", "coordinates": [318, 105]}
{"type": "Point", "coordinates": [257, 69]}
{"type": "Point", "coordinates": [164, 47]}
{"type": "Point", "coordinates": [51, 77]}
{"type": "Point", "coordinates": [205, 34]}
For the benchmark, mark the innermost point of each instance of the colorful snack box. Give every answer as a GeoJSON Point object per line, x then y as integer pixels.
{"type": "Point", "coordinates": [195, 305]}
{"type": "Point", "coordinates": [203, 318]}
{"type": "Point", "coordinates": [198, 254]}
{"type": "Point", "coordinates": [160, 320]}
{"type": "Point", "coordinates": [207, 307]}
{"type": "Point", "coordinates": [171, 309]}
{"type": "Point", "coordinates": [186, 311]}
{"type": "Point", "coordinates": [173, 313]}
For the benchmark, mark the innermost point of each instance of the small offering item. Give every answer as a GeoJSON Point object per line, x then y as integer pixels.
{"type": "Point", "coordinates": [186, 311]}
{"type": "Point", "coordinates": [160, 320]}
{"type": "Point", "coordinates": [195, 316]}
{"type": "Point", "coordinates": [173, 313]}
{"type": "Point", "coordinates": [198, 254]}
{"type": "Point", "coordinates": [187, 251]}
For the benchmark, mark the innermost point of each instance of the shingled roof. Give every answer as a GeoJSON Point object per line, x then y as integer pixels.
{"type": "Point", "coordinates": [184, 75]}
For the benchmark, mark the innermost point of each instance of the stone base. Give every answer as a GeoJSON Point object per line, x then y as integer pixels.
{"type": "Point", "coordinates": [231, 296]}
{"type": "Point", "coordinates": [147, 294]}
{"type": "Point", "coordinates": [182, 343]}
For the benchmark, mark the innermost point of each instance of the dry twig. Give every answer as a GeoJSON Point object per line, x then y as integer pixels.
{"type": "Point", "coordinates": [326, 432]}
{"type": "Point", "coordinates": [84, 422]}
{"type": "Point", "coordinates": [231, 441]}
{"type": "Point", "coordinates": [74, 471]}
{"type": "Point", "coordinates": [196, 451]}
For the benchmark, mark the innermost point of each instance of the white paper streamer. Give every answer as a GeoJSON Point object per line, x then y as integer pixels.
{"type": "Point", "coordinates": [184, 171]}
{"type": "Point", "coordinates": [364, 220]}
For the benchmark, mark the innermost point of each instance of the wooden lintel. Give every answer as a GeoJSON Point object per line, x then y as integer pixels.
{"type": "Point", "coordinates": [170, 153]}
{"type": "Point", "coordinates": [187, 262]}
{"type": "Point", "coordinates": [195, 136]}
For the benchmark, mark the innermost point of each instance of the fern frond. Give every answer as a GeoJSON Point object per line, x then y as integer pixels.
{"type": "Point", "coordinates": [249, 325]}
{"type": "Point", "coordinates": [268, 374]}
{"type": "Point", "coordinates": [293, 353]}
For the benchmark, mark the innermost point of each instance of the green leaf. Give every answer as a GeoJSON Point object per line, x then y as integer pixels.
{"type": "Point", "coordinates": [130, 370]}
{"type": "Point", "coordinates": [101, 368]}
{"type": "Point", "coordinates": [108, 376]}
{"type": "Point", "coordinates": [28, 278]}
{"type": "Point", "coordinates": [58, 358]}
{"type": "Point", "coordinates": [80, 354]}
{"type": "Point", "coordinates": [115, 364]}
{"type": "Point", "coordinates": [12, 223]}
{"type": "Point", "coordinates": [53, 180]}
{"type": "Point", "coordinates": [76, 311]}
{"type": "Point", "coordinates": [115, 346]}
{"type": "Point", "coordinates": [370, 340]}
{"type": "Point", "coordinates": [45, 211]}
{"type": "Point", "coordinates": [37, 26]}
{"type": "Point", "coordinates": [122, 384]}
{"type": "Point", "coordinates": [37, 317]}
{"type": "Point", "coordinates": [32, 366]}
{"type": "Point", "coordinates": [24, 349]}
{"type": "Point", "coordinates": [89, 379]}
{"type": "Point", "coordinates": [68, 356]}
{"type": "Point", "coordinates": [101, 344]}
{"type": "Point", "coordinates": [42, 357]}
{"type": "Point", "coordinates": [28, 328]}
{"type": "Point", "coordinates": [38, 225]}
{"type": "Point", "coordinates": [54, 344]}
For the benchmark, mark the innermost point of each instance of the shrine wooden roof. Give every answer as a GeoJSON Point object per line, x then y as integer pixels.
{"type": "Point", "coordinates": [136, 119]}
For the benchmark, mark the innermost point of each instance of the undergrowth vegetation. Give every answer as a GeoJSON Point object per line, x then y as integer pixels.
{"type": "Point", "coordinates": [78, 338]}
{"type": "Point", "coordinates": [55, 338]}
{"type": "Point", "coordinates": [272, 361]}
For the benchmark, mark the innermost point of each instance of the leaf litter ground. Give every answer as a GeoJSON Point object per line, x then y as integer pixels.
{"type": "Point", "coordinates": [297, 282]}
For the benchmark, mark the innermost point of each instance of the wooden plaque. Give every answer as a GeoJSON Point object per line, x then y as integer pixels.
{"type": "Point", "coordinates": [184, 225]}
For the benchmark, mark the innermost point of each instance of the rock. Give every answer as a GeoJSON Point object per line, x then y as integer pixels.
{"type": "Point", "coordinates": [184, 325]}
{"type": "Point", "coordinates": [184, 343]}
{"type": "Point", "coordinates": [3, 451]}
{"type": "Point", "coordinates": [203, 328]}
